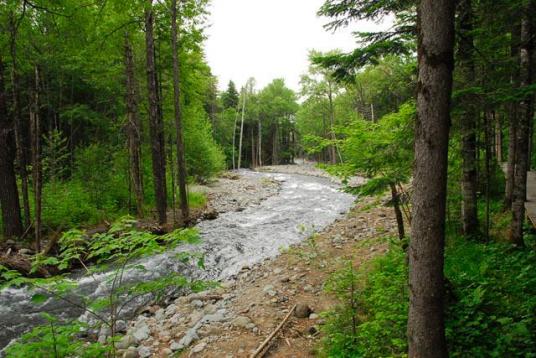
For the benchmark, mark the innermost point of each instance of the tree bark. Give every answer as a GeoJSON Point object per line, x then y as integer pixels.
{"type": "Point", "coordinates": [234, 138]}
{"type": "Point", "coordinates": [259, 147]}
{"type": "Point", "coordinates": [181, 161]}
{"type": "Point", "coordinates": [468, 122]}
{"type": "Point", "coordinates": [519, 193]}
{"type": "Point", "coordinates": [498, 139]}
{"type": "Point", "coordinates": [332, 149]}
{"type": "Point", "coordinates": [241, 129]}
{"type": "Point", "coordinates": [19, 141]}
{"type": "Point", "coordinates": [398, 213]}
{"type": "Point", "coordinates": [9, 195]}
{"type": "Point", "coordinates": [133, 127]}
{"type": "Point", "coordinates": [156, 127]}
{"type": "Point", "coordinates": [35, 121]}
{"type": "Point", "coordinates": [512, 125]}
{"type": "Point", "coordinates": [426, 327]}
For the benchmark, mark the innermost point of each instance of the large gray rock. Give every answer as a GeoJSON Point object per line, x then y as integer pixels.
{"type": "Point", "coordinates": [141, 331]}
{"type": "Point", "coordinates": [120, 326]}
{"type": "Point", "coordinates": [198, 348]}
{"type": "Point", "coordinates": [241, 321]}
{"type": "Point", "coordinates": [130, 353]}
{"type": "Point", "coordinates": [186, 341]}
{"type": "Point", "coordinates": [126, 342]}
{"type": "Point", "coordinates": [144, 352]}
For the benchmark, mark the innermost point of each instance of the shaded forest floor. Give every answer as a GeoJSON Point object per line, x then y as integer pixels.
{"type": "Point", "coordinates": [233, 320]}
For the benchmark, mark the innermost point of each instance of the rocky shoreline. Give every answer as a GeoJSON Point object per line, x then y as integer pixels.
{"type": "Point", "coordinates": [232, 320]}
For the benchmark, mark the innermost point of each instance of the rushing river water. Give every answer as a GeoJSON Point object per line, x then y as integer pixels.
{"type": "Point", "coordinates": [231, 241]}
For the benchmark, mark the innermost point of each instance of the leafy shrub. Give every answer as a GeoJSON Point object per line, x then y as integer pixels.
{"type": "Point", "coordinates": [55, 340]}
{"type": "Point", "coordinates": [371, 321]}
{"type": "Point", "coordinates": [494, 299]}
{"type": "Point", "coordinates": [491, 300]}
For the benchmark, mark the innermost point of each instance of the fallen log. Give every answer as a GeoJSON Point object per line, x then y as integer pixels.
{"type": "Point", "coordinates": [272, 335]}
{"type": "Point", "coordinates": [22, 264]}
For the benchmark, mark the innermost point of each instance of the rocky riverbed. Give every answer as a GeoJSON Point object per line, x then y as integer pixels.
{"type": "Point", "coordinates": [257, 216]}
{"type": "Point", "coordinates": [232, 320]}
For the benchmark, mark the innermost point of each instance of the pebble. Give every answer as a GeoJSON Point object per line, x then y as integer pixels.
{"type": "Point", "coordinates": [313, 316]}
{"type": "Point", "coordinates": [166, 352]}
{"type": "Point", "coordinates": [144, 352]}
{"type": "Point", "coordinates": [198, 348]}
{"type": "Point", "coordinates": [130, 353]}
{"type": "Point", "coordinates": [197, 303]}
{"type": "Point", "coordinates": [241, 321]}
{"type": "Point", "coordinates": [126, 342]}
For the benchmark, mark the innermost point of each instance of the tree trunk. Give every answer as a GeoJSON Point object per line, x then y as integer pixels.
{"type": "Point", "coordinates": [259, 146]}
{"type": "Point", "coordinates": [19, 141]}
{"type": "Point", "coordinates": [512, 125]}
{"type": "Point", "coordinates": [181, 161]}
{"type": "Point", "coordinates": [275, 139]}
{"type": "Point", "coordinates": [398, 213]}
{"type": "Point", "coordinates": [9, 195]}
{"type": "Point", "coordinates": [35, 121]}
{"type": "Point", "coordinates": [498, 139]}
{"type": "Point", "coordinates": [468, 122]}
{"type": "Point", "coordinates": [426, 327]}
{"type": "Point", "coordinates": [253, 149]}
{"type": "Point", "coordinates": [234, 138]}
{"type": "Point", "coordinates": [155, 126]}
{"type": "Point", "coordinates": [332, 149]}
{"type": "Point", "coordinates": [525, 117]}
{"type": "Point", "coordinates": [241, 130]}
{"type": "Point", "coordinates": [133, 127]}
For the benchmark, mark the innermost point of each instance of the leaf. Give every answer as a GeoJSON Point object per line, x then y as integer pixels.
{"type": "Point", "coordinates": [39, 298]}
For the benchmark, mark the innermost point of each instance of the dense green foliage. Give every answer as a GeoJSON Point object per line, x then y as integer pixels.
{"type": "Point", "coordinates": [491, 294]}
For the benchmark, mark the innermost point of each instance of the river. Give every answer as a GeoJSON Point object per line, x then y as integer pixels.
{"type": "Point", "coordinates": [235, 239]}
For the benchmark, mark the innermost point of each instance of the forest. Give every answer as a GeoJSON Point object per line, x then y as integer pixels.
{"type": "Point", "coordinates": [383, 209]}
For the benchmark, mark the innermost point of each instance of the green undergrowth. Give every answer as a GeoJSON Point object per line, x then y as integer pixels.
{"type": "Point", "coordinates": [490, 303]}
{"type": "Point", "coordinates": [115, 251]}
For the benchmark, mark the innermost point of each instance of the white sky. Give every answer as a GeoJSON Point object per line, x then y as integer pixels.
{"type": "Point", "coordinates": [268, 39]}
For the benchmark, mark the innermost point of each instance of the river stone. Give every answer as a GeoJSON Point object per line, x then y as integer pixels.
{"type": "Point", "coordinates": [141, 331]}
{"type": "Point", "coordinates": [308, 288]}
{"type": "Point", "coordinates": [130, 353]}
{"type": "Point", "coordinates": [195, 316]}
{"type": "Point", "coordinates": [159, 315]}
{"type": "Point", "coordinates": [241, 321]}
{"type": "Point", "coordinates": [144, 352]}
{"type": "Point", "coordinates": [189, 337]}
{"type": "Point", "coordinates": [105, 331]}
{"type": "Point", "coordinates": [120, 326]}
{"type": "Point", "coordinates": [166, 352]}
{"type": "Point", "coordinates": [170, 310]}
{"type": "Point", "coordinates": [215, 317]}
{"type": "Point", "coordinates": [176, 319]}
{"type": "Point", "coordinates": [198, 348]}
{"type": "Point", "coordinates": [277, 270]}
{"type": "Point", "coordinates": [269, 290]}
{"type": "Point", "coordinates": [302, 311]}
{"type": "Point", "coordinates": [197, 303]}
{"type": "Point", "coordinates": [313, 316]}
{"type": "Point", "coordinates": [126, 342]}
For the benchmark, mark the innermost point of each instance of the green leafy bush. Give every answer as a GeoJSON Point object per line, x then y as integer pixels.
{"type": "Point", "coordinates": [371, 320]}
{"type": "Point", "coordinates": [490, 304]}
{"type": "Point", "coordinates": [55, 340]}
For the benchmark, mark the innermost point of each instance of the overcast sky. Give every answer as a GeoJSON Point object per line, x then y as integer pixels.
{"type": "Point", "coordinates": [268, 39]}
